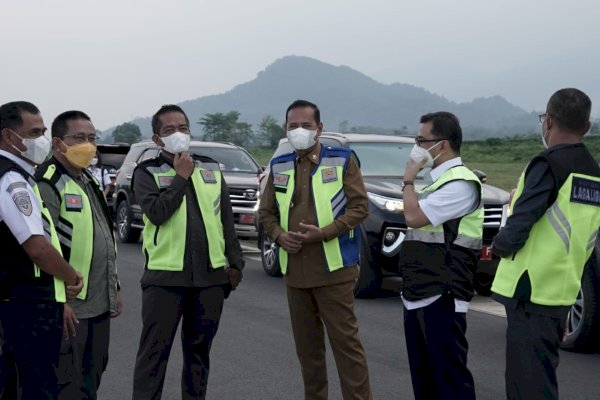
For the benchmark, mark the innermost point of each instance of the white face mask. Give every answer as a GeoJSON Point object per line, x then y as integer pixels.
{"type": "Point", "coordinates": [544, 139]}
{"type": "Point", "coordinates": [37, 149]}
{"type": "Point", "coordinates": [94, 162]}
{"type": "Point", "coordinates": [301, 139]}
{"type": "Point", "coordinates": [176, 142]}
{"type": "Point", "coordinates": [418, 153]}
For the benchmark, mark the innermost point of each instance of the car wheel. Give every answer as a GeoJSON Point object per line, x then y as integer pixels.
{"type": "Point", "coordinates": [125, 232]}
{"type": "Point", "coordinates": [368, 283]}
{"type": "Point", "coordinates": [483, 284]}
{"type": "Point", "coordinates": [269, 251]}
{"type": "Point", "coordinates": [583, 322]}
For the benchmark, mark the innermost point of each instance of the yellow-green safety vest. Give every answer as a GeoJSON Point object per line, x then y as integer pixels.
{"type": "Point", "coordinates": [164, 245]}
{"type": "Point", "coordinates": [559, 245]}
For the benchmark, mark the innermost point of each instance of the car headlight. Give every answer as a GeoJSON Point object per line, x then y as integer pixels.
{"type": "Point", "coordinates": [387, 203]}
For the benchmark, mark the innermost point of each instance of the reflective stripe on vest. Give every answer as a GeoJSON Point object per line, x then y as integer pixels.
{"type": "Point", "coordinates": [75, 221]}
{"type": "Point", "coordinates": [50, 234]}
{"type": "Point", "coordinates": [165, 244]}
{"type": "Point", "coordinates": [470, 228]}
{"type": "Point", "coordinates": [559, 245]}
{"type": "Point", "coordinates": [329, 199]}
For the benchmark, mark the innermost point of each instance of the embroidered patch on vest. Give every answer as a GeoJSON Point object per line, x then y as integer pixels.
{"type": "Point", "coordinates": [585, 191]}
{"type": "Point", "coordinates": [73, 202]}
{"type": "Point", "coordinates": [329, 175]}
{"type": "Point", "coordinates": [281, 180]}
{"type": "Point", "coordinates": [208, 176]}
{"type": "Point", "coordinates": [23, 202]}
{"type": "Point", "coordinates": [165, 181]}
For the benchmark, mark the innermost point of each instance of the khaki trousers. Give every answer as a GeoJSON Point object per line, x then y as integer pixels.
{"type": "Point", "coordinates": [332, 306]}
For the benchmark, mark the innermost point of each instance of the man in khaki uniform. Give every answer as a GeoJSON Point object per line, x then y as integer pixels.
{"type": "Point", "coordinates": [312, 206]}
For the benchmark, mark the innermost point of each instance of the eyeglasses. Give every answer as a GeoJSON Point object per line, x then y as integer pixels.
{"type": "Point", "coordinates": [542, 117]}
{"type": "Point", "coordinates": [419, 141]}
{"type": "Point", "coordinates": [80, 138]}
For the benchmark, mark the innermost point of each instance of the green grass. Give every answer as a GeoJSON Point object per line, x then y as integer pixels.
{"type": "Point", "coordinates": [502, 175]}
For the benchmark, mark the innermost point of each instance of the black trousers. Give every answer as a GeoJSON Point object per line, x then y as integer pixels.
{"type": "Point", "coordinates": [162, 308]}
{"type": "Point", "coordinates": [8, 371]}
{"type": "Point", "coordinates": [532, 342]}
{"type": "Point", "coordinates": [83, 359]}
{"type": "Point", "coordinates": [437, 352]}
{"type": "Point", "coordinates": [32, 334]}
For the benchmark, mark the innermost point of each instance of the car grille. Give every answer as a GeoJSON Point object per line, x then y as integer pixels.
{"type": "Point", "coordinates": [241, 197]}
{"type": "Point", "coordinates": [492, 220]}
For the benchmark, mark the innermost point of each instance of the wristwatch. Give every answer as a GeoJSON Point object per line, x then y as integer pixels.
{"type": "Point", "coordinates": [407, 183]}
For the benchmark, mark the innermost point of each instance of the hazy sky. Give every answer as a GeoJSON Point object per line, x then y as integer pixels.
{"type": "Point", "coordinates": [117, 60]}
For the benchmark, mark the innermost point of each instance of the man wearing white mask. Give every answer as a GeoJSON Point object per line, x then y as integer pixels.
{"type": "Point", "coordinates": [193, 257]}
{"type": "Point", "coordinates": [437, 260]}
{"type": "Point", "coordinates": [100, 173]}
{"type": "Point", "coordinates": [313, 204]}
{"type": "Point", "coordinates": [545, 244]}
{"type": "Point", "coordinates": [32, 271]}
{"type": "Point", "coordinates": [83, 224]}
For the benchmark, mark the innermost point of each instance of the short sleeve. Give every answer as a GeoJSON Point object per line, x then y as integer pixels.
{"type": "Point", "coordinates": [105, 178]}
{"type": "Point", "coordinates": [20, 207]}
{"type": "Point", "coordinates": [453, 200]}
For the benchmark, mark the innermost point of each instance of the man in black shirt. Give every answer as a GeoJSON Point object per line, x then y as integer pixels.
{"type": "Point", "coordinates": [193, 258]}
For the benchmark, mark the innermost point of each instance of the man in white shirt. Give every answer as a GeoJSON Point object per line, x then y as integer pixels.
{"type": "Point", "coordinates": [437, 260]}
{"type": "Point", "coordinates": [33, 273]}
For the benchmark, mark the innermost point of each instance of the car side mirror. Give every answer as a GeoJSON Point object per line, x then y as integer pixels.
{"type": "Point", "coordinates": [481, 175]}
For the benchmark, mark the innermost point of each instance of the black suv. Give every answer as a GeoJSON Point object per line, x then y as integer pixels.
{"type": "Point", "coordinates": [238, 167]}
{"type": "Point", "coordinates": [382, 159]}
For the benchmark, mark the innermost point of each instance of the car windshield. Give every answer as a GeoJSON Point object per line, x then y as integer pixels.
{"type": "Point", "coordinates": [229, 159]}
{"type": "Point", "coordinates": [382, 159]}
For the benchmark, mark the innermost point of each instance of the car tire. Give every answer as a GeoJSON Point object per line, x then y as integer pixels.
{"type": "Point", "coordinates": [269, 252]}
{"type": "Point", "coordinates": [125, 232]}
{"type": "Point", "coordinates": [368, 283]}
{"type": "Point", "coordinates": [482, 283]}
{"type": "Point", "coordinates": [583, 321]}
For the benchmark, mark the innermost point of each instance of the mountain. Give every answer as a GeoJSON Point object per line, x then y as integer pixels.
{"type": "Point", "coordinates": [348, 98]}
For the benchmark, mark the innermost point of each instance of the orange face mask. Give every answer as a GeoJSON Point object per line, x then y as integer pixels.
{"type": "Point", "coordinates": [80, 155]}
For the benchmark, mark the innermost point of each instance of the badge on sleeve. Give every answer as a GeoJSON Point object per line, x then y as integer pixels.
{"type": "Point", "coordinates": [73, 202]}
{"type": "Point", "coordinates": [281, 180]}
{"type": "Point", "coordinates": [23, 202]}
{"type": "Point", "coordinates": [329, 175]}
{"type": "Point", "coordinates": [165, 181]}
{"type": "Point", "coordinates": [208, 176]}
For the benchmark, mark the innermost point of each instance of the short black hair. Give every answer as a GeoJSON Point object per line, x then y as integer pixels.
{"type": "Point", "coordinates": [445, 125]}
{"type": "Point", "coordinates": [59, 125]}
{"type": "Point", "coordinates": [167, 108]}
{"type": "Point", "coordinates": [10, 114]}
{"type": "Point", "coordinates": [302, 104]}
{"type": "Point", "coordinates": [570, 108]}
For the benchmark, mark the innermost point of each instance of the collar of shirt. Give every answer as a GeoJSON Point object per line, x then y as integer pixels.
{"type": "Point", "coordinates": [314, 155]}
{"type": "Point", "coordinates": [445, 166]}
{"type": "Point", "coordinates": [20, 162]}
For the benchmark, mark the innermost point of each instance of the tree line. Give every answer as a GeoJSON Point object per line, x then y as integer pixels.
{"type": "Point", "coordinates": [217, 127]}
{"type": "Point", "coordinates": [227, 127]}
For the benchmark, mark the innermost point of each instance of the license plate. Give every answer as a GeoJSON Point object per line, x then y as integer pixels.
{"type": "Point", "coordinates": [486, 252]}
{"type": "Point", "coordinates": [247, 219]}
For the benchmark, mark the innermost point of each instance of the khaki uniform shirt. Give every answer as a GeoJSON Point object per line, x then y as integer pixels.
{"type": "Point", "coordinates": [308, 268]}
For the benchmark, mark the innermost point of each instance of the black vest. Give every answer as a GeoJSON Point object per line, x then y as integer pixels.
{"type": "Point", "coordinates": [429, 269]}
{"type": "Point", "coordinates": [17, 277]}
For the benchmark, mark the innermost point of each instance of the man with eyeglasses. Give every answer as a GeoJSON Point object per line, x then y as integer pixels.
{"type": "Point", "coordinates": [33, 272]}
{"type": "Point", "coordinates": [193, 257]}
{"type": "Point", "coordinates": [437, 260]}
{"type": "Point", "coordinates": [83, 222]}
{"type": "Point", "coordinates": [547, 239]}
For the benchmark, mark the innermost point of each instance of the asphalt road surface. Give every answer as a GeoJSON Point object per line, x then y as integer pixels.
{"type": "Point", "coordinates": [253, 355]}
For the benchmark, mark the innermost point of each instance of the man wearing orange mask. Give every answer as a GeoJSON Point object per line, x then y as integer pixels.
{"type": "Point", "coordinates": [84, 227]}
